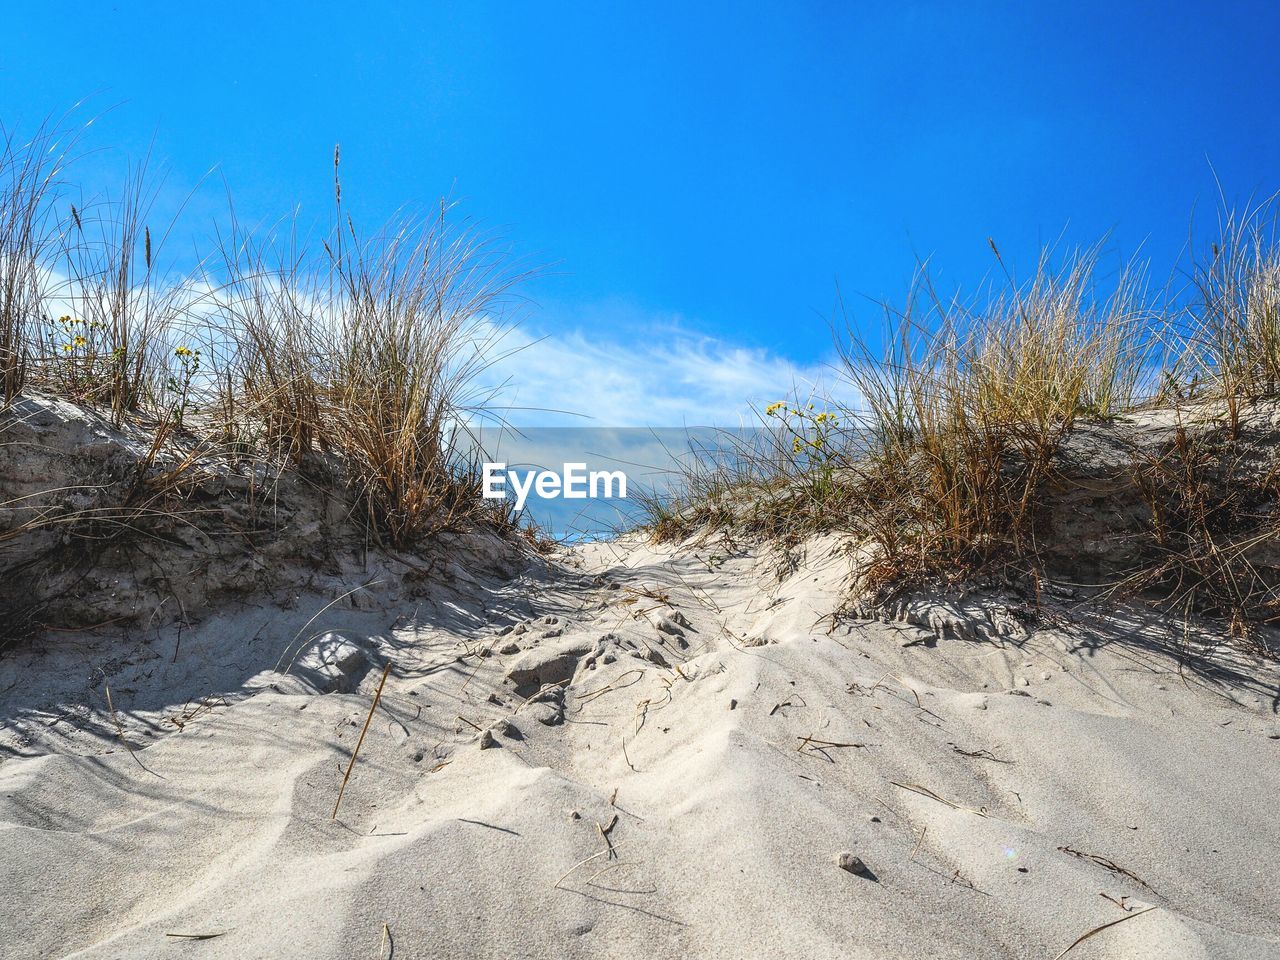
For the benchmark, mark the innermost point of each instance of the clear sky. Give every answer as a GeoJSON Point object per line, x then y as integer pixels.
{"type": "Point", "coordinates": [699, 174]}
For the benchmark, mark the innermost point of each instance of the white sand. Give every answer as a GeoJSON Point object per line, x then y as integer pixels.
{"type": "Point", "coordinates": [726, 822]}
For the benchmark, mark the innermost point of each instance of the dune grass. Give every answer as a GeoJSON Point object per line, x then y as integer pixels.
{"type": "Point", "coordinates": [943, 467]}
{"type": "Point", "coordinates": [1214, 528]}
{"type": "Point", "coordinates": [121, 307]}
{"type": "Point", "coordinates": [964, 413]}
{"type": "Point", "coordinates": [951, 397]}
{"type": "Point", "coordinates": [775, 480]}
{"type": "Point", "coordinates": [352, 355]}
{"type": "Point", "coordinates": [410, 336]}
{"type": "Point", "coordinates": [1233, 342]}
{"type": "Point", "coordinates": [270, 306]}
{"type": "Point", "coordinates": [356, 355]}
{"type": "Point", "coordinates": [31, 168]}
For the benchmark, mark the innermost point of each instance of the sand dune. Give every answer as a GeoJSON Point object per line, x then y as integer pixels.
{"type": "Point", "coordinates": [708, 743]}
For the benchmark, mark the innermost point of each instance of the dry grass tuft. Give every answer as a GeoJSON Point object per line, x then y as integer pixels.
{"type": "Point", "coordinates": [950, 468]}
{"type": "Point", "coordinates": [1233, 347]}
{"type": "Point", "coordinates": [964, 415]}
{"type": "Point", "coordinates": [410, 336]}
{"type": "Point", "coordinates": [108, 348]}
{"type": "Point", "coordinates": [30, 171]}
{"type": "Point", "coordinates": [1214, 508]}
{"type": "Point", "coordinates": [270, 307]}
{"type": "Point", "coordinates": [354, 357]}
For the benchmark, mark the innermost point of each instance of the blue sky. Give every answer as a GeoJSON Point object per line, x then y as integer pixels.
{"type": "Point", "coordinates": [700, 176]}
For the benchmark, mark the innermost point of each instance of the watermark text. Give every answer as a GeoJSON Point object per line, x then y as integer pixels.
{"type": "Point", "coordinates": [574, 482]}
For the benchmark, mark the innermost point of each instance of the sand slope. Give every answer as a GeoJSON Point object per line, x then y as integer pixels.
{"type": "Point", "coordinates": [720, 742]}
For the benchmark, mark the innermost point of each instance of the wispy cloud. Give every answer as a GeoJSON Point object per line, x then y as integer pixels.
{"type": "Point", "coordinates": [662, 376]}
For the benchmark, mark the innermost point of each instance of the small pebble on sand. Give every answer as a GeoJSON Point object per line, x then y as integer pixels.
{"type": "Point", "coordinates": [847, 861]}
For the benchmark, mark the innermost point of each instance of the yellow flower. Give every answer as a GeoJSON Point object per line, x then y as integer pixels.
{"type": "Point", "coordinates": [773, 408]}
{"type": "Point", "coordinates": [67, 347]}
{"type": "Point", "coordinates": [79, 341]}
{"type": "Point", "coordinates": [796, 445]}
{"type": "Point", "coordinates": [183, 352]}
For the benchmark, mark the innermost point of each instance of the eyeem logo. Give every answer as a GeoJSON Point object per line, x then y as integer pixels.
{"type": "Point", "coordinates": [574, 483]}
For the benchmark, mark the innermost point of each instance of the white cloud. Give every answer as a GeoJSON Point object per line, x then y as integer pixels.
{"type": "Point", "coordinates": [657, 377]}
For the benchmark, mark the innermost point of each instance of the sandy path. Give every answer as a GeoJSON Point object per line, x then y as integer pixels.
{"type": "Point", "coordinates": [690, 802]}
